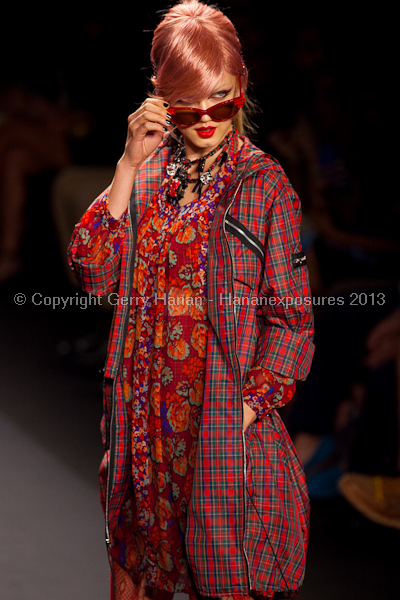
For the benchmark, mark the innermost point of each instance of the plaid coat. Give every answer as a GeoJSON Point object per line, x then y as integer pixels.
{"type": "Point", "coordinates": [247, 525]}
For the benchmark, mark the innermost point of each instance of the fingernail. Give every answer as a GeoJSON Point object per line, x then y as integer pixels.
{"type": "Point", "coordinates": [168, 115]}
{"type": "Point", "coordinates": [168, 121]}
{"type": "Point", "coordinates": [166, 104]}
{"type": "Point", "coordinates": [165, 129]}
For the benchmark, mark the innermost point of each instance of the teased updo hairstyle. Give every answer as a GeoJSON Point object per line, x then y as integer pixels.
{"type": "Point", "coordinates": [192, 48]}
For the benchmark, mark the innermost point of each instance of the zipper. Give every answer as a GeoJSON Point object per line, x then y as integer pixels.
{"type": "Point", "coordinates": [245, 498]}
{"type": "Point", "coordinates": [110, 474]}
{"type": "Point", "coordinates": [241, 394]}
{"type": "Point", "coordinates": [240, 231]}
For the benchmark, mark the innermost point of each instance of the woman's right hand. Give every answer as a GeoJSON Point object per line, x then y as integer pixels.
{"type": "Point", "coordinates": [146, 128]}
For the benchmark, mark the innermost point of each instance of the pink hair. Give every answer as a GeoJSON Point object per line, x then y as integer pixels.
{"type": "Point", "coordinates": [192, 48]}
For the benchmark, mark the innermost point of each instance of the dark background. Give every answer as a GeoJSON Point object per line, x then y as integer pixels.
{"type": "Point", "coordinates": [97, 61]}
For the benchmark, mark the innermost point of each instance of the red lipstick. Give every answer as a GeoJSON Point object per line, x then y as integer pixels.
{"type": "Point", "coordinates": [206, 132]}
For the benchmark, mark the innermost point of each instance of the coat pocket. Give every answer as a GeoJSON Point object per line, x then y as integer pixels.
{"type": "Point", "coordinates": [247, 252]}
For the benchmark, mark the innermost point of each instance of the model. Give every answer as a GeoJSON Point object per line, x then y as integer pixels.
{"type": "Point", "coordinates": [197, 240]}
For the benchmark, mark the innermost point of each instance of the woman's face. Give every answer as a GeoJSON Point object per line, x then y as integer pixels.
{"type": "Point", "coordinates": [205, 135]}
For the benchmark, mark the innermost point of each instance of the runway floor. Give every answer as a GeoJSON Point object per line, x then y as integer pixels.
{"type": "Point", "coordinates": [52, 543]}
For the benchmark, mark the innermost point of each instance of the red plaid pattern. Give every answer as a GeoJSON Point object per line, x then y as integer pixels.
{"type": "Point", "coordinates": [248, 516]}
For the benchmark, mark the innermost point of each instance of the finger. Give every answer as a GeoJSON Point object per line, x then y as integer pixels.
{"type": "Point", "coordinates": [149, 111]}
{"type": "Point", "coordinates": [149, 117]}
{"type": "Point", "coordinates": [157, 102]}
{"type": "Point", "coordinates": [140, 130]}
{"type": "Point", "coordinates": [149, 107]}
{"type": "Point", "coordinates": [142, 587]}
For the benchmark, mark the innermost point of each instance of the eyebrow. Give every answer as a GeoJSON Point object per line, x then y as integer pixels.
{"type": "Point", "coordinates": [222, 88]}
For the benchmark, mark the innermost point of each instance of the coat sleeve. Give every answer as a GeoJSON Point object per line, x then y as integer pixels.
{"type": "Point", "coordinates": [265, 390]}
{"type": "Point", "coordinates": [285, 347]}
{"type": "Point", "coordinates": [94, 253]}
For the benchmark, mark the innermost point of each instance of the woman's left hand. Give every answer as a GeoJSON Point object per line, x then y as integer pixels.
{"type": "Point", "coordinates": [248, 416]}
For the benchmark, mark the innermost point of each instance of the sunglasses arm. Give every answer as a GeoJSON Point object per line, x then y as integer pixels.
{"type": "Point", "coordinates": [240, 101]}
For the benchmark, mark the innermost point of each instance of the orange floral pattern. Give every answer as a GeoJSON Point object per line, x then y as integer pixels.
{"type": "Point", "coordinates": [163, 381]}
{"type": "Point", "coordinates": [265, 390]}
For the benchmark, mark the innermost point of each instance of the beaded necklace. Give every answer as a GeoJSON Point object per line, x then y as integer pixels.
{"type": "Point", "coordinates": [178, 169]}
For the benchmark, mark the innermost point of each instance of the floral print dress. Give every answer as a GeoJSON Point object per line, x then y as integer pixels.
{"type": "Point", "coordinates": [163, 379]}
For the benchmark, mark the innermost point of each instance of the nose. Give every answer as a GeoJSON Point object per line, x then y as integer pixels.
{"type": "Point", "coordinates": [203, 105]}
{"type": "Point", "coordinates": [205, 118]}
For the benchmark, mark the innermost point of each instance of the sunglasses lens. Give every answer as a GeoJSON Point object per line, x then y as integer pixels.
{"type": "Point", "coordinates": [224, 112]}
{"type": "Point", "coordinates": [221, 112]}
{"type": "Point", "coordinates": [186, 117]}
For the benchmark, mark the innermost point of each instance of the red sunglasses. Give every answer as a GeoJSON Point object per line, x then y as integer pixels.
{"type": "Point", "coordinates": [186, 117]}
